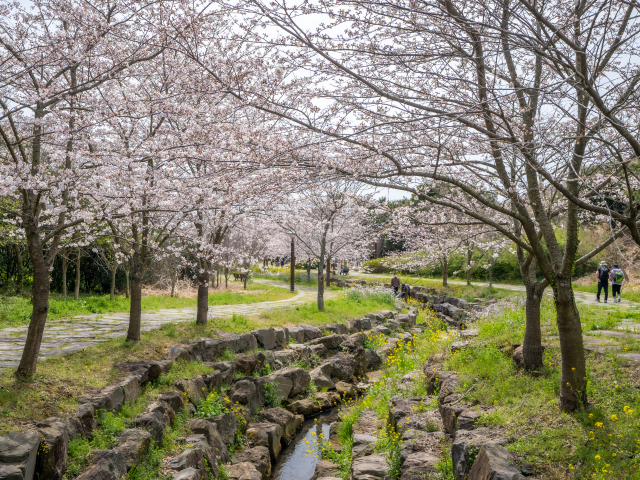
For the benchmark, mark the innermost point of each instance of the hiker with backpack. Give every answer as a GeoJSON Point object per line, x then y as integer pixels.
{"type": "Point", "coordinates": [617, 278]}
{"type": "Point", "coordinates": [602, 274]}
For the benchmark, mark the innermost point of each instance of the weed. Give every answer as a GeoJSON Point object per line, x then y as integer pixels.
{"type": "Point", "coordinates": [271, 397]}
{"type": "Point", "coordinates": [211, 406]}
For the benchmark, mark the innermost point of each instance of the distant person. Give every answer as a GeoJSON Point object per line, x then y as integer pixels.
{"type": "Point", "coordinates": [617, 278]}
{"type": "Point", "coordinates": [395, 283]}
{"type": "Point", "coordinates": [602, 274]}
{"type": "Point", "coordinates": [282, 262]}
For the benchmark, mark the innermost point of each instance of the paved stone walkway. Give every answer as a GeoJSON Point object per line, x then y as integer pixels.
{"type": "Point", "coordinates": [62, 337]}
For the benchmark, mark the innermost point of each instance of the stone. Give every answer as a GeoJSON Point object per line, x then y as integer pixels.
{"type": "Point", "coordinates": [310, 332]}
{"type": "Point", "coordinates": [213, 380]}
{"type": "Point", "coordinates": [266, 435]}
{"type": "Point", "coordinates": [52, 456]}
{"type": "Point", "coordinates": [70, 426]}
{"type": "Point", "coordinates": [284, 358]}
{"type": "Point", "coordinates": [174, 399]}
{"type": "Point", "coordinates": [243, 471]}
{"type": "Point", "coordinates": [358, 339]}
{"type": "Point", "coordinates": [375, 318]}
{"type": "Point", "coordinates": [466, 443]}
{"type": "Point", "coordinates": [246, 393]}
{"type": "Point", "coordinates": [336, 328]}
{"type": "Point", "coordinates": [190, 458]}
{"type": "Point", "coordinates": [400, 408]}
{"type": "Point", "coordinates": [178, 352]}
{"type": "Point", "coordinates": [381, 330]}
{"type": "Point", "coordinates": [340, 366]}
{"type": "Point", "coordinates": [133, 444]}
{"type": "Point", "coordinates": [324, 469]}
{"type": "Point", "coordinates": [158, 416]}
{"type": "Point", "coordinates": [418, 465]}
{"type": "Point", "coordinates": [188, 474]}
{"type": "Point", "coordinates": [239, 342]}
{"type": "Point", "coordinates": [455, 346]}
{"type": "Point", "coordinates": [144, 371]}
{"type": "Point", "coordinates": [282, 337]}
{"type": "Point", "coordinates": [321, 377]}
{"type": "Point", "coordinates": [300, 379]}
{"type": "Point", "coordinates": [163, 410]}
{"type": "Point", "coordinates": [245, 364]}
{"type": "Point", "coordinates": [359, 325]}
{"type": "Point", "coordinates": [227, 425]}
{"type": "Point", "coordinates": [330, 342]}
{"type": "Point", "coordinates": [346, 390]}
{"type": "Point", "coordinates": [192, 388]}
{"type": "Point", "coordinates": [258, 456]}
{"type": "Point", "coordinates": [458, 417]}
{"type": "Point", "coordinates": [10, 472]}
{"type": "Point", "coordinates": [305, 407]}
{"type": "Point", "coordinates": [386, 314]}
{"type": "Point", "coordinates": [165, 365]}
{"type": "Point", "coordinates": [266, 338]}
{"type": "Point", "coordinates": [287, 420]}
{"type": "Point", "coordinates": [110, 398]}
{"type": "Point", "coordinates": [200, 441]}
{"type": "Point", "coordinates": [373, 360]}
{"type": "Point", "coordinates": [20, 450]}
{"type": "Point", "coordinates": [318, 350]}
{"type": "Point", "coordinates": [86, 415]}
{"type": "Point", "coordinates": [363, 445]}
{"type": "Point", "coordinates": [371, 467]}
{"type": "Point", "coordinates": [130, 388]}
{"type": "Point", "coordinates": [105, 465]}
{"type": "Point", "coordinates": [327, 400]}
{"type": "Point", "coordinates": [283, 385]}
{"type": "Point", "coordinates": [493, 463]}
{"type": "Point", "coordinates": [214, 439]}
{"type": "Point", "coordinates": [296, 333]}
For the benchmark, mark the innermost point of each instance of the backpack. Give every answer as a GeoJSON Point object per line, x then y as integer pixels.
{"type": "Point", "coordinates": [604, 274]}
{"type": "Point", "coordinates": [618, 276]}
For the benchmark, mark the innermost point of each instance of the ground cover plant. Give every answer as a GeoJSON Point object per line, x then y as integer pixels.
{"type": "Point", "coordinates": [16, 310]}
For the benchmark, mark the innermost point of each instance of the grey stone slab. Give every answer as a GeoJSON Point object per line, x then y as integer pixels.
{"type": "Point", "coordinates": [635, 357]}
{"type": "Point", "coordinates": [611, 333]}
{"type": "Point", "coordinates": [9, 363]}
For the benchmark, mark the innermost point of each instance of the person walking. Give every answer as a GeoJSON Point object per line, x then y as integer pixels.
{"type": "Point", "coordinates": [602, 274]}
{"type": "Point", "coordinates": [617, 278]}
{"type": "Point", "coordinates": [395, 282]}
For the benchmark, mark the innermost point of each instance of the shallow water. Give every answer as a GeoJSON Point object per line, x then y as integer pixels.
{"type": "Point", "coordinates": [298, 460]}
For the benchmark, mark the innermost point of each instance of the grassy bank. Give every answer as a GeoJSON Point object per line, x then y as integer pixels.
{"type": "Point", "coordinates": [16, 311]}
{"type": "Point", "coordinates": [61, 381]}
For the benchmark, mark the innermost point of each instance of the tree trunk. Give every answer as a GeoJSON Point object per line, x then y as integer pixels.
{"type": "Point", "coordinates": [113, 285]}
{"type": "Point", "coordinates": [444, 272]}
{"type": "Point", "coordinates": [469, 255]}
{"type": "Point", "coordinates": [226, 277]}
{"type": "Point", "coordinates": [573, 387]}
{"type": "Point", "coordinates": [203, 298]}
{"type": "Point", "coordinates": [174, 279]}
{"type": "Point", "coordinates": [490, 275]}
{"type": "Point", "coordinates": [40, 301]}
{"type": "Point", "coordinates": [320, 286]}
{"type": "Point", "coordinates": [328, 271]}
{"type": "Point", "coordinates": [246, 277]}
{"type": "Point", "coordinates": [65, 265]}
{"type": "Point", "coordinates": [135, 309]}
{"type": "Point", "coordinates": [19, 272]}
{"type": "Point", "coordinates": [127, 287]}
{"type": "Point", "coordinates": [76, 293]}
{"type": "Point", "coordinates": [532, 345]}
{"type": "Point", "coordinates": [308, 271]}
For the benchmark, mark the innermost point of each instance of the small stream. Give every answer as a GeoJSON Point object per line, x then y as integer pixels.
{"type": "Point", "coordinates": [298, 460]}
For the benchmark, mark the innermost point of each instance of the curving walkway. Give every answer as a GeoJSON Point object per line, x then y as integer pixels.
{"type": "Point", "coordinates": [62, 337]}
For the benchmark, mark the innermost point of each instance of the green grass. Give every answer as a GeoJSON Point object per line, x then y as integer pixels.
{"type": "Point", "coordinates": [16, 311]}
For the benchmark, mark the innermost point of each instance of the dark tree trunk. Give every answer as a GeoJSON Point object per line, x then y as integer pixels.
{"type": "Point", "coordinates": [65, 265]}
{"type": "Point", "coordinates": [135, 309]}
{"type": "Point", "coordinates": [490, 275]}
{"type": "Point", "coordinates": [320, 286]}
{"type": "Point", "coordinates": [76, 293]}
{"type": "Point", "coordinates": [113, 285]}
{"type": "Point", "coordinates": [532, 345]}
{"type": "Point", "coordinates": [203, 298]}
{"type": "Point", "coordinates": [40, 301]}
{"type": "Point", "coordinates": [246, 277]}
{"type": "Point", "coordinates": [226, 277]}
{"type": "Point", "coordinates": [308, 271]}
{"type": "Point", "coordinates": [445, 273]}
{"type": "Point", "coordinates": [128, 286]}
{"type": "Point", "coordinates": [573, 387]}
{"type": "Point", "coordinates": [328, 271]}
{"type": "Point", "coordinates": [469, 255]}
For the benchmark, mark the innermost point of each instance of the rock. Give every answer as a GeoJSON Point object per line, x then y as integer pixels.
{"type": "Point", "coordinates": [282, 337]}
{"type": "Point", "coordinates": [455, 346]}
{"type": "Point", "coordinates": [178, 352]}
{"type": "Point", "coordinates": [359, 325]}
{"type": "Point", "coordinates": [266, 435]}
{"type": "Point", "coordinates": [133, 444]}
{"type": "Point", "coordinates": [296, 334]}
{"type": "Point", "coordinates": [214, 439]}
{"type": "Point", "coordinates": [165, 365]}
{"type": "Point", "coordinates": [336, 328]}
{"type": "Point", "coordinates": [375, 318]}
{"type": "Point", "coordinates": [327, 400]}
{"type": "Point", "coordinates": [246, 393]}
{"type": "Point", "coordinates": [266, 338]}
{"type": "Point", "coordinates": [213, 380]}
{"type": "Point", "coordinates": [284, 358]}
{"type": "Point", "coordinates": [357, 339]}
{"type": "Point", "coordinates": [243, 471]}
{"type": "Point", "coordinates": [190, 458]}
{"type": "Point", "coordinates": [188, 474]}
{"type": "Point", "coordinates": [227, 425]}
{"type": "Point", "coordinates": [330, 342]}
{"type": "Point", "coordinates": [193, 389]}
{"type": "Point", "coordinates": [310, 332]}
{"type": "Point", "coordinates": [305, 407]}
{"type": "Point", "coordinates": [163, 410]}
{"type": "Point", "coordinates": [493, 463]}
{"type": "Point", "coordinates": [371, 467]}
{"type": "Point", "coordinates": [303, 351]}
{"type": "Point", "coordinates": [259, 457]}
{"type": "Point", "coordinates": [287, 420]}
{"type": "Point", "coordinates": [324, 469]}
{"type": "Point", "coordinates": [213, 348]}
{"type": "Point", "coordinates": [458, 417]}
{"type": "Point", "coordinates": [105, 465]}
{"type": "Point", "coordinates": [346, 390]}
{"type": "Point", "coordinates": [86, 415]}
{"type": "Point", "coordinates": [341, 367]}
{"type": "Point", "coordinates": [381, 330]}
{"type": "Point", "coordinates": [362, 445]}
{"type": "Point", "coordinates": [283, 385]}
{"type": "Point", "coordinates": [321, 377]}
{"type": "Point", "coordinates": [158, 416]}
{"type": "Point", "coordinates": [52, 456]}
{"type": "Point", "coordinates": [110, 398]}
{"type": "Point", "coordinates": [318, 350]}
{"type": "Point", "coordinates": [174, 399]}
{"type": "Point", "coordinates": [300, 379]}
{"type": "Point", "coordinates": [200, 441]}
{"type": "Point", "coordinates": [527, 469]}
{"type": "Point", "coordinates": [400, 408]}
{"type": "Point", "coordinates": [246, 364]}
{"type": "Point", "coordinates": [143, 371]}
{"type": "Point", "coordinates": [10, 472]}
{"type": "Point", "coordinates": [20, 450]}
{"type": "Point", "coordinates": [466, 442]}
{"type": "Point", "coordinates": [373, 360]}
{"type": "Point", "coordinates": [239, 342]}
{"type": "Point", "coordinates": [418, 465]}
{"type": "Point", "coordinates": [130, 388]}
